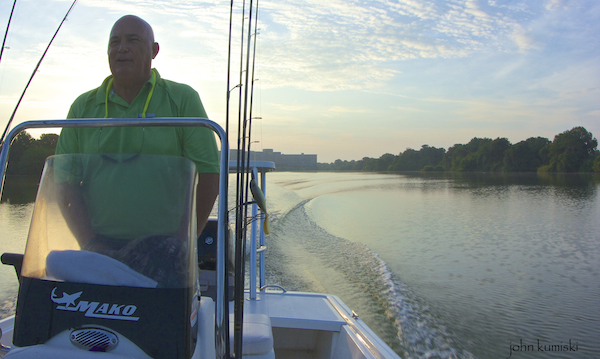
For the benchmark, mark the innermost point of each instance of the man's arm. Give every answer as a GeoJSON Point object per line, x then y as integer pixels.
{"type": "Point", "coordinates": [206, 194]}
{"type": "Point", "coordinates": [200, 147]}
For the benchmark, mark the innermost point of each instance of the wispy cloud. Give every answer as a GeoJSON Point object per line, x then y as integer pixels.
{"type": "Point", "coordinates": [340, 109]}
{"type": "Point", "coordinates": [352, 44]}
{"type": "Point", "coordinates": [288, 107]}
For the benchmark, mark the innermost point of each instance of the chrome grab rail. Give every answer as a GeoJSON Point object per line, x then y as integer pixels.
{"type": "Point", "coordinates": [259, 247]}
{"type": "Point", "coordinates": [221, 312]}
{"type": "Point", "coordinates": [252, 293]}
{"type": "Point", "coordinates": [262, 248]}
{"type": "Point", "coordinates": [273, 286]}
{"type": "Point", "coordinates": [253, 243]}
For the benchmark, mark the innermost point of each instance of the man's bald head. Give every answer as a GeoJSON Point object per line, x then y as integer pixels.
{"type": "Point", "coordinates": [139, 22]}
{"type": "Point", "coordinates": [131, 48]}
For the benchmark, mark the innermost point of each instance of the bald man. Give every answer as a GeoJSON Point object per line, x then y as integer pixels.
{"type": "Point", "coordinates": [131, 49]}
{"type": "Point", "coordinates": [136, 90]}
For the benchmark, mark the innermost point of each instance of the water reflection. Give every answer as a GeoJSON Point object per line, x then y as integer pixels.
{"type": "Point", "coordinates": [579, 186]}
{"type": "Point", "coordinates": [20, 189]}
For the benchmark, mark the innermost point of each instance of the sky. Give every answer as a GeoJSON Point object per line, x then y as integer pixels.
{"type": "Point", "coordinates": [343, 79]}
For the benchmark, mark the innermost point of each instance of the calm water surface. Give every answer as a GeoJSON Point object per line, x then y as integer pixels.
{"type": "Point", "coordinates": [466, 266]}
{"type": "Point", "coordinates": [440, 266]}
{"type": "Point", "coordinates": [14, 224]}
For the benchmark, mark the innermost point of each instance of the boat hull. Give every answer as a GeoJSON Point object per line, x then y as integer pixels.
{"type": "Point", "coordinates": [301, 325]}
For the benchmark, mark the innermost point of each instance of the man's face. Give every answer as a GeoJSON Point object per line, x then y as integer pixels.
{"type": "Point", "coordinates": [131, 50]}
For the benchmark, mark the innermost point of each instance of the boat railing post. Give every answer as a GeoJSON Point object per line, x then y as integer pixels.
{"type": "Point", "coordinates": [253, 236]}
{"type": "Point", "coordinates": [222, 306]}
{"type": "Point", "coordinates": [263, 185]}
{"type": "Point", "coordinates": [4, 161]}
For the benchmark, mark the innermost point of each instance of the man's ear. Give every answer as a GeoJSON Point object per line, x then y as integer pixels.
{"type": "Point", "coordinates": [155, 49]}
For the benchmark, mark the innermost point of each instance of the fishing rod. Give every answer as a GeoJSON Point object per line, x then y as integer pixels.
{"type": "Point", "coordinates": [240, 248]}
{"type": "Point", "coordinates": [223, 347]}
{"type": "Point", "coordinates": [240, 150]}
{"type": "Point", "coordinates": [238, 305]}
{"type": "Point", "coordinates": [248, 120]}
{"type": "Point", "coordinates": [7, 26]}
{"type": "Point", "coordinates": [33, 74]}
{"type": "Point", "coordinates": [243, 162]}
{"type": "Point", "coordinates": [252, 83]}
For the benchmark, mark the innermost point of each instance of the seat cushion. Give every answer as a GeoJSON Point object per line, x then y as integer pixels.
{"type": "Point", "coordinates": [257, 334]}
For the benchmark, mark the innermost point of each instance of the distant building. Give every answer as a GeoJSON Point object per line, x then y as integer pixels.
{"type": "Point", "coordinates": [282, 161]}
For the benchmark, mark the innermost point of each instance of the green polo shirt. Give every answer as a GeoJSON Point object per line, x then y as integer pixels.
{"type": "Point", "coordinates": [127, 195]}
{"type": "Point", "coordinates": [169, 99]}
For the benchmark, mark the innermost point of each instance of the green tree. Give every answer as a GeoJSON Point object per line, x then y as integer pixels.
{"type": "Point", "coordinates": [385, 161]}
{"type": "Point", "coordinates": [490, 154]}
{"type": "Point", "coordinates": [462, 157]}
{"type": "Point", "coordinates": [596, 165]}
{"type": "Point", "coordinates": [27, 155]}
{"type": "Point", "coordinates": [572, 151]}
{"type": "Point", "coordinates": [525, 156]}
{"type": "Point", "coordinates": [48, 140]}
{"type": "Point", "coordinates": [468, 163]}
{"type": "Point", "coordinates": [32, 161]}
{"type": "Point", "coordinates": [432, 156]}
{"type": "Point", "coordinates": [368, 164]}
{"type": "Point", "coordinates": [412, 160]}
{"type": "Point", "coordinates": [20, 144]}
{"type": "Point", "coordinates": [409, 160]}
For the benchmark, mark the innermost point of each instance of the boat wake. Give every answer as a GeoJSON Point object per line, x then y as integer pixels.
{"type": "Point", "coordinates": [305, 257]}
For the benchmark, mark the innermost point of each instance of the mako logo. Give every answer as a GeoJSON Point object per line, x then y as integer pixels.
{"type": "Point", "coordinates": [94, 309]}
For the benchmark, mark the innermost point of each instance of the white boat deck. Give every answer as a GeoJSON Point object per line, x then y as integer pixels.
{"type": "Point", "coordinates": [297, 310]}
{"type": "Point", "coordinates": [313, 325]}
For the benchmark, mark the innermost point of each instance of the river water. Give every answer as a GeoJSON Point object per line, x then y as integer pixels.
{"type": "Point", "coordinates": [438, 265]}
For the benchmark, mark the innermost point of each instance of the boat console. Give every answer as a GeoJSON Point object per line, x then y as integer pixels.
{"type": "Point", "coordinates": [111, 257]}
{"type": "Point", "coordinates": [113, 267]}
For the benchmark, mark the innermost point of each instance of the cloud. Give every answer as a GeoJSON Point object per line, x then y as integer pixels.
{"type": "Point", "coordinates": [409, 109]}
{"type": "Point", "coordinates": [523, 40]}
{"type": "Point", "coordinates": [594, 114]}
{"type": "Point", "coordinates": [327, 46]}
{"type": "Point", "coordinates": [333, 45]}
{"type": "Point", "coordinates": [286, 108]}
{"type": "Point", "coordinates": [593, 91]}
{"type": "Point", "coordinates": [340, 109]}
{"type": "Point", "coordinates": [553, 4]}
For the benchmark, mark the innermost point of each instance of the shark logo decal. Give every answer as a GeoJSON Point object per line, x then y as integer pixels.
{"type": "Point", "coordinates": [94, 309]}
{"type": "Point", "coordinates": [66, 298]}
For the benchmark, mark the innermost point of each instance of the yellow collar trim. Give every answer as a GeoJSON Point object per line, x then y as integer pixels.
{"type": "Point", "coordinates": [109, 88]}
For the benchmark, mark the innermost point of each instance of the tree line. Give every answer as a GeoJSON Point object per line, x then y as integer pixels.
{"type": "Point", "coordinates": [575, 150]}
{"type": "Point", "coordinates": [27, 155]}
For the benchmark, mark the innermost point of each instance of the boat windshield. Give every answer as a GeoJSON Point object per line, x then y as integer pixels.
{"type": "Point", "coordinates": [114, 219]}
